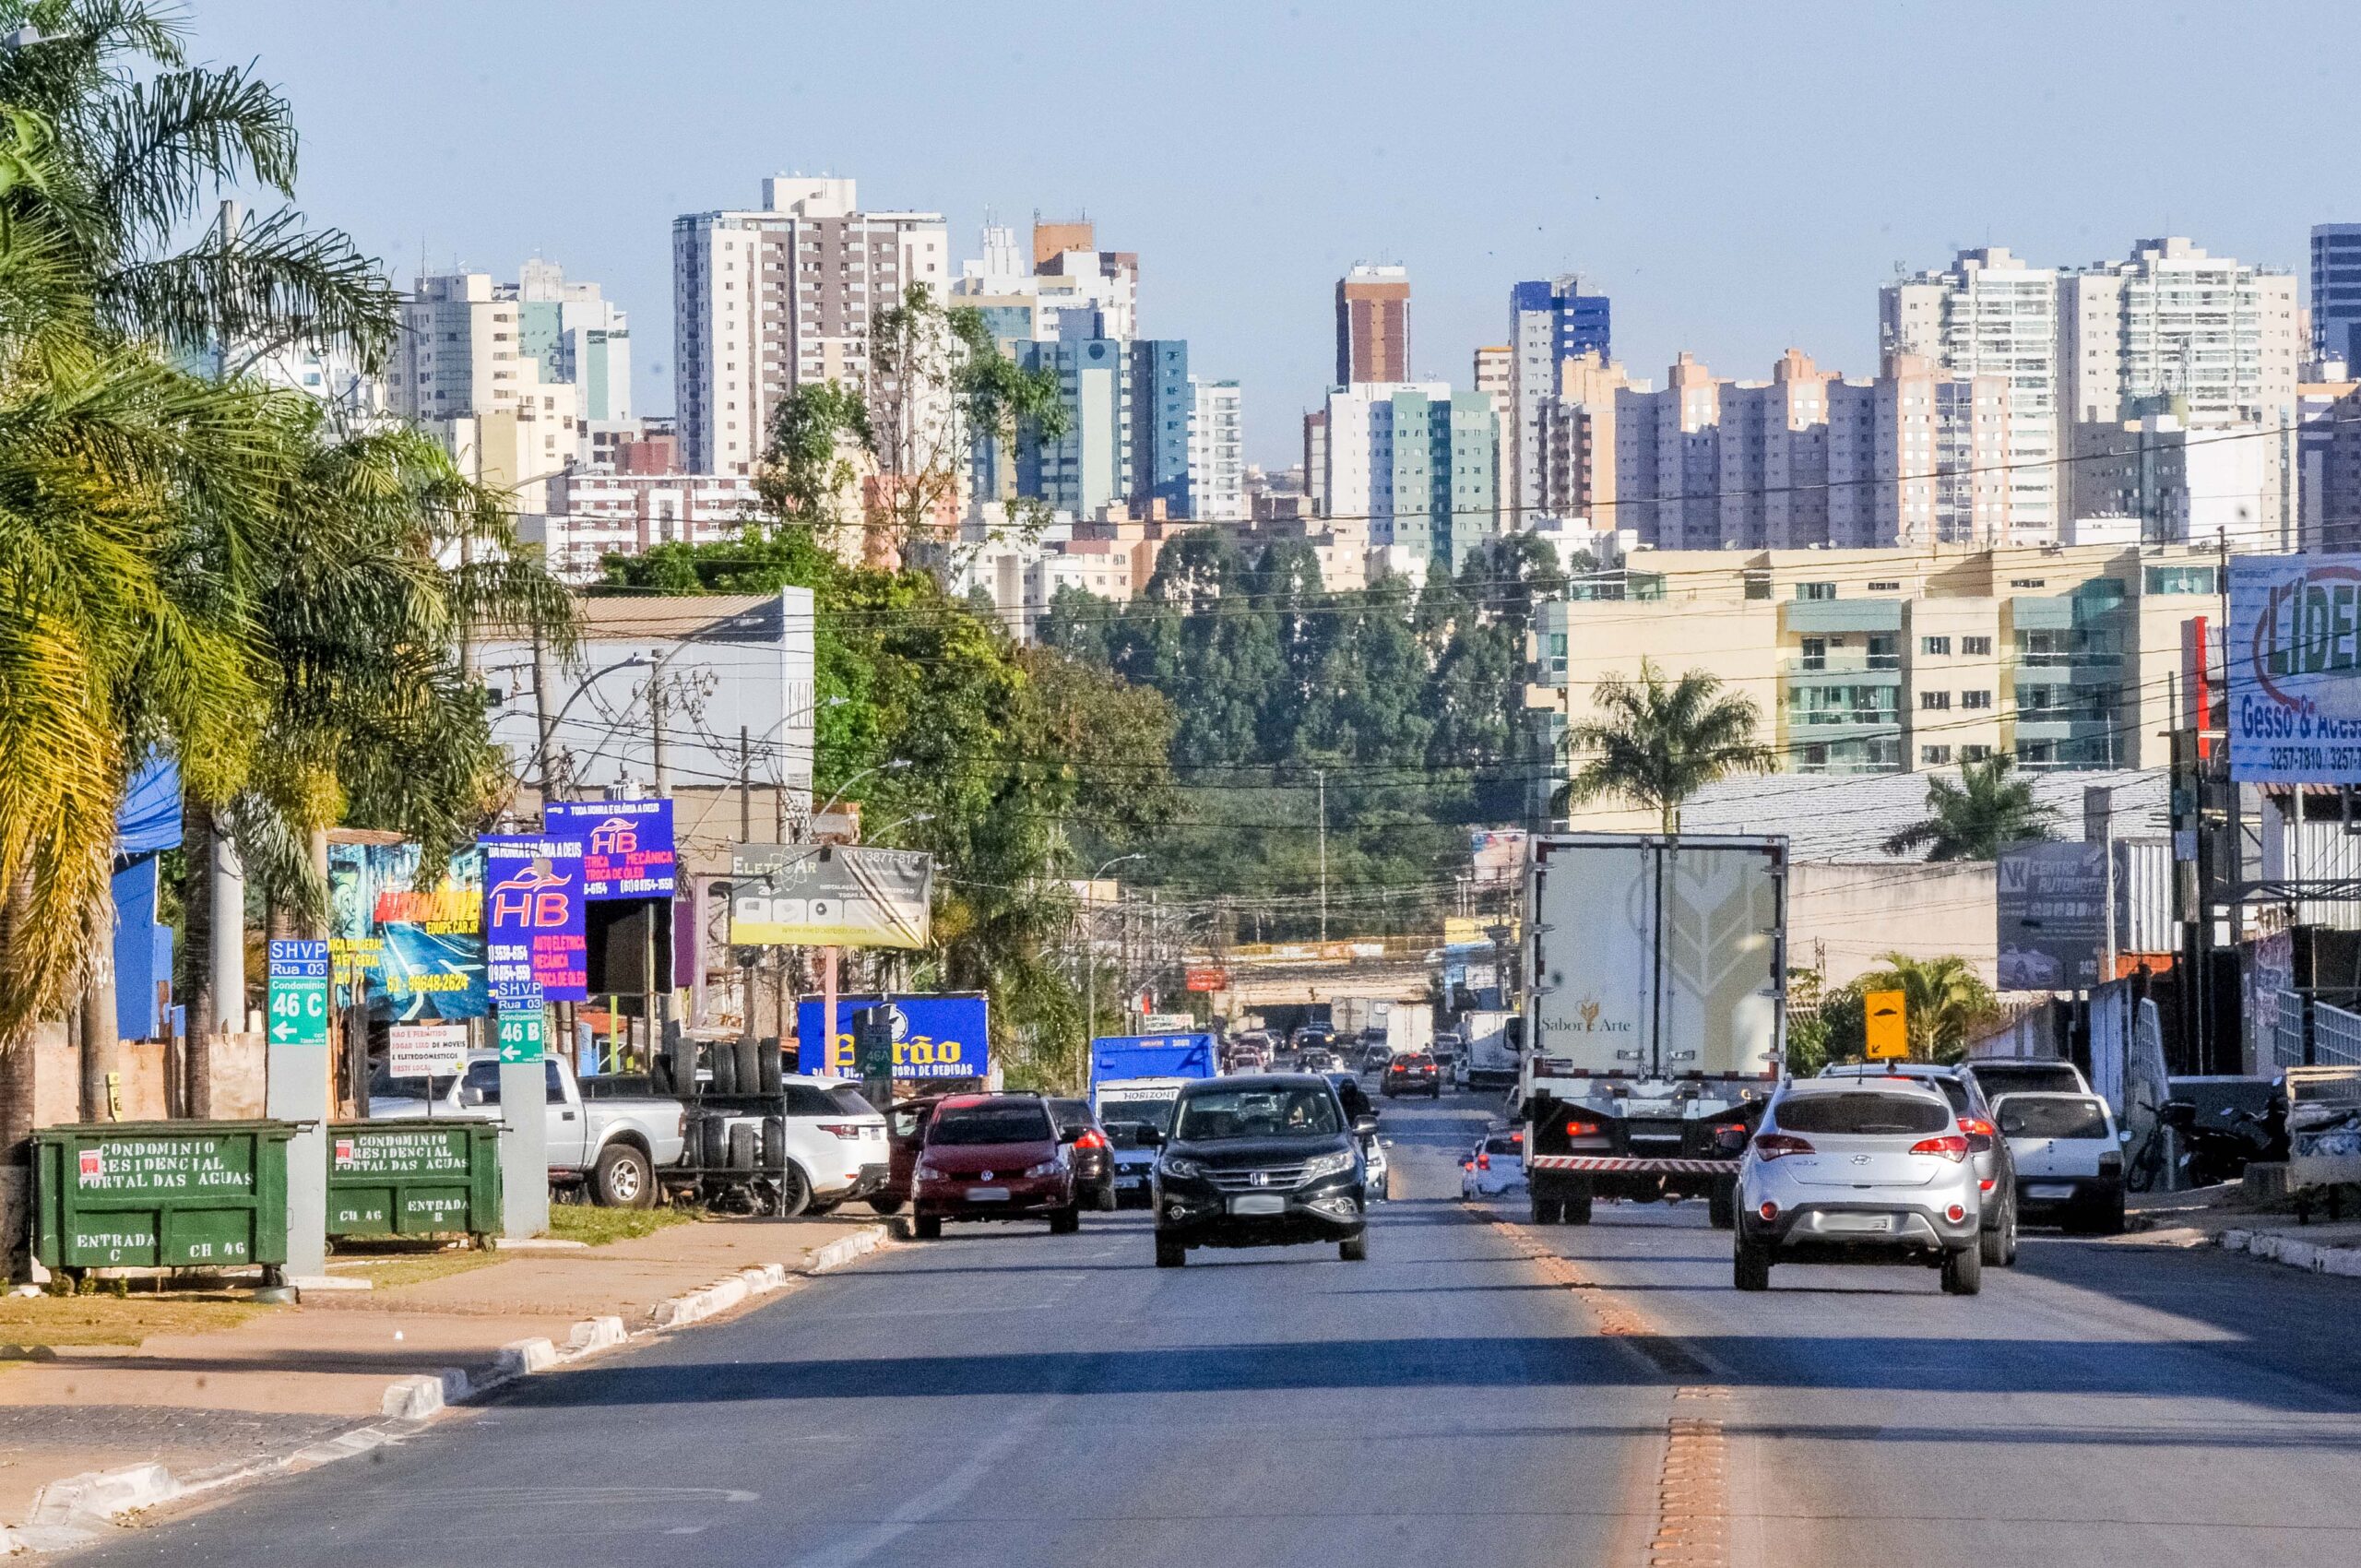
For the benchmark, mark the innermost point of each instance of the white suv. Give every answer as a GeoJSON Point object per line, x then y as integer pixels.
{"type": "Point", "coordinates": [1859, 1170]}
{"type": "Point", "coordinates": [833, 1144]}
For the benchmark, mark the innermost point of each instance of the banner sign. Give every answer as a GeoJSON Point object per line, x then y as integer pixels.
{"type": "Point", "coordinates": [426, 1051]}
{"type": "Point", "coordinates": [934, 1037]}
{"type": "Point", "coordinates": [829, 896]}
{"type": "Point", "coordinates": [1206, 978]}
{"type": "Point", "coordinates": [2051, 900]}
{"type": "Point", "coordinates": [2295, 669]}
{"type": "Point", "coordinates": [534, 916]}
{"type": "Point", "coordinates": [627, 847]}
{"type": "Point", "coordinates": [298, 992]}
{"type": "Point", "coordinates": [414, 940]}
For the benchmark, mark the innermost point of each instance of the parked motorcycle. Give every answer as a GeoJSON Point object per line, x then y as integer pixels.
{"type": "Point", "coordinates": [2218, 1148]}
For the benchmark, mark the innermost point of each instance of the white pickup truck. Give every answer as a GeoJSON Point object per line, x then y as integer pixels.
{"type": "Point", "coordinates": [616, 1146]}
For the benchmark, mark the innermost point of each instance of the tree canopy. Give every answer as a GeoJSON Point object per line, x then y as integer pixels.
{"type": "Point", "coordinates": [1973, 819]}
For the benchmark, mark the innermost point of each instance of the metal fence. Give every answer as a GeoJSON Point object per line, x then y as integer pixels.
{"type": "Point", "coordinates": [2288, 1039]}
{"type": "Point", "coordinates": [2336, 1036]}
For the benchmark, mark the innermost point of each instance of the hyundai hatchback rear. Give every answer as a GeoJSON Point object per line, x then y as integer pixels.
{"type": "Point", "coordinates": [1859, 1170]}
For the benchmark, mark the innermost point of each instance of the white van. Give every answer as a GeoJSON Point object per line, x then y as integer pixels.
{"type": "Point", "coordinates": [2069, 1158]}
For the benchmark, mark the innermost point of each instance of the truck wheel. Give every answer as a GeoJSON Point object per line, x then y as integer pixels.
{"type": "Point", "coordinates": [1169, 1254]}
{"type": "Point", "coordinates": [774, 1144]}
{"type": "Point", "coordinates": [1750, 1266]}
{"type": "Point", "coordinates": [1356, 1250]}
{"type": "Point", "coordinates": [885, 1203]}
{"type": "Point", "coordinates": [1546, 1210]}
{"type": "Point", "coordinates": [712, 1143]}
{"type": "Point", "coordinates": [741, 1146]}
{"type": "Point", "coordinates": [1578, 1204]}
{"type": "Point", "coordinates": [1963, 1272]}
{"type": "Point", "coordinates": [1721, 1205]}
{"type": "Point", "coordinates": [795, 1192]}
{"type": "Point", "coordinates": [927, 1227]}
{"type": "Point", "coordinates": [622, 1178]}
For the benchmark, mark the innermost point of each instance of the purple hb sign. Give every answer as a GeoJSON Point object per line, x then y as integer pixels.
{"type": "Point", "coordinates": [533, 916]}
{"type": "Point", "coordinates": [628, 850]}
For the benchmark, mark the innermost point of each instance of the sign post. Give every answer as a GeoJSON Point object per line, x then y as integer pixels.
{"type": "Point", "coordinates": [518, 1020]}
{"type": "Point", "coordinates": [295, 1089]}
{"type": "Point", "coordinates": [1886, 1024]}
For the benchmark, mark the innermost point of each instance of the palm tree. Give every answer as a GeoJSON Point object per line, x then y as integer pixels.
{"type": "Point", "coordinates": [1971, 820]}
{"type": "Point", "coordinates": [1659, 743]}
{"type": "Point", "coordinates": [1943, 1000]}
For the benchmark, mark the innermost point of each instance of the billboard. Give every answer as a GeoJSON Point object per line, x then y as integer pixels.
{"type": "Point", "coordinates": [829, 896]}
{"type": "Point", "coordinates": [533, 914]}
{"type": "Point", "coordinates": [414, 943]}
{"type": "Point", "coordinates": [627, 847]}
{"type": "Point", "coordinates": [1496, 856]}
{"type": "Point", "coordinates": [2051, 903]}
{"type": "Point", "coordinates": [934, 1037]}
{"type": "Point", "coordinates": [2293, 661]}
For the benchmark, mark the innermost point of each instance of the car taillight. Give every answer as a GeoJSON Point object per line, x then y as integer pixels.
{"type": "Point", "coordinates": [1518, 1137]}
{"type": "Point", "coordinates": [1581, 1129]}
{"type": "Point", "coordinates": [841, 1129]}
{"type": "Point", "coordinates": [1951, 1145]}
{"type": "Point", "coordinates": [1955, 1214]}
{"type": "Point", "coordinates": [1986, 1184]}
{"type": "Point", "coordinates": [1769, 1210]}
{"type": "Point", "coordinates": [1778, 1146]}
{"type": "Point", "coordinates": [1091, 1139]}
{"type": "Point", "coordinates": [1483, 1162]}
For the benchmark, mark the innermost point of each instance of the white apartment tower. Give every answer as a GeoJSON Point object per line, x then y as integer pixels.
{"type": "Point", "coordinates": [2216, 336]}
{"type": "Point", "coordinates": [767, 301]}
{"type": "Point", "coordinates": [1216, 452]}
{"type": "Point", "coordinates": [1990, 313]}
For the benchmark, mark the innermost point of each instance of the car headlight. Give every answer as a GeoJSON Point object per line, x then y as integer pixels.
{"type": "Point", "coordinates": [1328, 1164]}
{"type": "Point", "coordinates": [1186, 1170]}
{"type": "Point", "coordinates": [1048, 1167]}
{"type": "Point", "coordinates": [926, 1173]}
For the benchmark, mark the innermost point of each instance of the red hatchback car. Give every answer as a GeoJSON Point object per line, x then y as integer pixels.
{"type": "Point", "coordinates": [992, 1157]}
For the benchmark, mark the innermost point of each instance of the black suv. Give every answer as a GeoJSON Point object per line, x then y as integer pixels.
{"type": "Point", "coordinates": [1263, 1161]}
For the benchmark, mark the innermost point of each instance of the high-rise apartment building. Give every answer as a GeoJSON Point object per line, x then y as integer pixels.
{"type": "Point", "coordinates": [770, 300]}
{"type": "Point", "coordinates": [1494, 376]}
{"type": "Point", "coordinates": [1216, 452]}
{"type": "Point", "coordinates": [1415, 461]}
{"type": "Point", "coordinates": [1552, 323]}
{"type": "Point", "coordinates": [461, 370]}
{"type": "Point", "coordinates": [2336, 291]}
{"type": "Point", "coordinates": [579, 336]}
{"type": "Point", "coordinates": [1129, 406]}
{"type": "Point", "coordinates": [1028, 300]}
{"type": "Point", "coordinates": [1990, 313]}
{"type": "Point", "coordinates": [1374, 326]}
{"type": "Point", "coordinates": [2172, 329]}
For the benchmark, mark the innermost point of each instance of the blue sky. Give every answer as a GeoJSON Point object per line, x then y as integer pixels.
{"type": "Point", "coordinates": [1738, 177]}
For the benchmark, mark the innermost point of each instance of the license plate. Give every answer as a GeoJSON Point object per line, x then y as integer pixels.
{"type": "Point", "coordinates": [986, 1194]}
{"type": "Point", "coordinates": [2050, 1191]}
{"type": "Point", "coordinates": [1259, 1203]}
{"type": "Point", "coordinates": [1861, 1222]}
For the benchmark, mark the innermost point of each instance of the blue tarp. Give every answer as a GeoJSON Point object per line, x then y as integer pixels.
{"type": "Point", "coordinates": [1116, 1057]}
{"type": "Point", "coordinates": [149, 818]}
{"type": "Point", "coordinates": [147, 824]}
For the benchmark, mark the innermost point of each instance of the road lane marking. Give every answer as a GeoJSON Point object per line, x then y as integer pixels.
{"type": "Point", "coordinates": [946, 1493]}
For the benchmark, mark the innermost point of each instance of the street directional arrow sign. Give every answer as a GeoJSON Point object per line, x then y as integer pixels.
{"type": "Point", "coordinates": [299, 993]}
{"type": "Point", "coordinates": [520, 1036]}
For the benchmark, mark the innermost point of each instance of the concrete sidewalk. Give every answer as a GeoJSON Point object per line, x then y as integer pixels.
{"type": "Point", "coordinates": [292, 1377]}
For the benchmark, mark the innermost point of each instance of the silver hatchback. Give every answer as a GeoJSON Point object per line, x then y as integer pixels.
{"type": "Point", "coordinates": [1859, 1170]}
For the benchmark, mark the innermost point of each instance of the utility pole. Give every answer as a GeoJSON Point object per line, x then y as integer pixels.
{"type": "Point", "coordinates": [655, 724]}
{"type": "Point", "coordinates": [745, 835]}
{"type": "Point", "coordinates": [541, 718]}
{"type": "Point", "coordinates": [1323, 775]}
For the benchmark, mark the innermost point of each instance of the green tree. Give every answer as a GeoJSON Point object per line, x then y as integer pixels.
{"type": "Point", "coordinates": [1657, 743]}
{"type": "Point", "coordinates": [1972, 819]}
{"type": "Point", "coordinates": [1944, 1002]}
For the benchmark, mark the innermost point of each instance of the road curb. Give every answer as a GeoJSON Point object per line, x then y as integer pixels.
{"type": "Point", "coordinates": [2277, 1246]}
{"type": "Point", "coordinates": [73, 1511]}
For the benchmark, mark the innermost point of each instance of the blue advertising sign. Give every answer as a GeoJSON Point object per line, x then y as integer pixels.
{"type": "Point", "coordinates": [534, 917]}
{"type": "Point", "coordinates": [934, 1037]}
{"type": "Point", "coordinates": [412, 939]}
{"type": "Point", "coordinates": [1115, 1057]}
{"type": "Point", "coordinates": [627, 848]}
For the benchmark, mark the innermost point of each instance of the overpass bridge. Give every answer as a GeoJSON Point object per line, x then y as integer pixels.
{"type": "Point", "coordinates": [1308, 974]}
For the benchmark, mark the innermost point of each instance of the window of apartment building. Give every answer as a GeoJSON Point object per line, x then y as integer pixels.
{"type": "Point", "coordinates": [2028, 582]}
{"type": "Point", "coordinates": [1934, 701]}
{"type": "Point", "coordinates": [1972, 647]}
{"type": "Point", "coordinates": [1815, 653]}
{"type": "Point", "coordinates": [1935, 647]}
{"type": "Point", "coordinates": [1881, 588]}
{"type": "Point", "coordinates": [1934, 756]}
{"type": "Point", "coordinates": [1975, 699]}
{"type": "Point", "coordinates": [1976, 754]}
{"type": "Point", "coordinates": [1816, 757]}
{"type": "Point", "coordinates": [1815, 590]}
{"type": "Point", "coordinates": [1885, 651]}
{"type": "Point", "coordinates": [2181, 579]}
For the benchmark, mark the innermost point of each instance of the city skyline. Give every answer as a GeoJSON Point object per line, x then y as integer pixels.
{"type": "Point", "coordinates": [1713, 265]}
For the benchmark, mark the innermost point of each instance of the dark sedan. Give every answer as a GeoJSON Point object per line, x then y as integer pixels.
{"type": "Point", "coordinates": [1087, 1144]}
{"type": "Point", "coordinates": [1266, 1162]}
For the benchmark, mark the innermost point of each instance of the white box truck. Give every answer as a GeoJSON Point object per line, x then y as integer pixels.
{"type": "Point", "coordinates": [1489, 1060]}
{"type": "Point", "coordinates": [1655, 1015]}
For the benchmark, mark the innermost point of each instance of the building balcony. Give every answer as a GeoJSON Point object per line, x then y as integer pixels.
{"type": "Point", "coordinates": [1846, 664]}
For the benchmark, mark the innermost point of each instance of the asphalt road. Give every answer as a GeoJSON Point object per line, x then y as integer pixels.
{"type": "Point", "coordinates": [1005, 1397]}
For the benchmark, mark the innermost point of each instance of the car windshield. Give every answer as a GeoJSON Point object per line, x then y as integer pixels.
{"type": "Point", "coordinates": [2028, 1077]}
{"type": "Point", "coordinates": [2045, 1118]}
{"type": "Point", "coordinates": [1292, 1111]}
{"type": "Point", "coordinates": [1503, 1143]}
{"type": "Point", "coordinates": [991, 1125]}
{"type": "Point", "coordinates": [1866, 1112]}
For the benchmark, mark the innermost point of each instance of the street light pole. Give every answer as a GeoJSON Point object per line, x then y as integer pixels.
{"type": "Point", "coordinates": [1322, 776]}
{"type": "Point", "coordinates": [1090, 945]}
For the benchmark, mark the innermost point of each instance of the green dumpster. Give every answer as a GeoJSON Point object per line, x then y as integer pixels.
{"type": "Point", "coordinates": [414, 1178]}
{"type": "Point", "coordinates": [168, 1194]}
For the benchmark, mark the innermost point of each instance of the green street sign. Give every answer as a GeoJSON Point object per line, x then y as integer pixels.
{"type": "Point", "coordinates": [299, 993]}
{"type": "Point", "coordinates": [520, 1036]}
